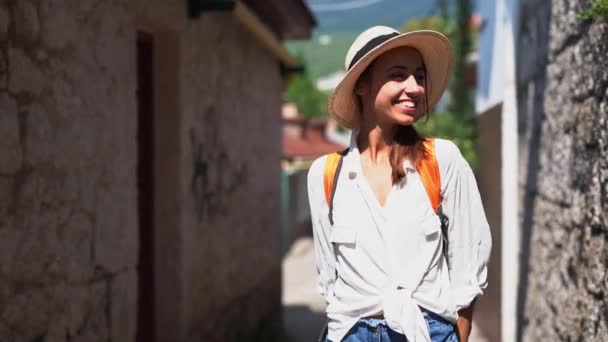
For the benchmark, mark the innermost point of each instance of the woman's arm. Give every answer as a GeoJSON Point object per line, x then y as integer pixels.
{"type": "Point", "coordinates": [468, 234]}
{"type": "Point", "coordinates": [323, 248]}
{"type": "Point", "coordinates": [464, 323]}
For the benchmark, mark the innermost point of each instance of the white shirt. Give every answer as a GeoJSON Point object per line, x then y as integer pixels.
{"type": "Point", "coordinates": [389, 259]}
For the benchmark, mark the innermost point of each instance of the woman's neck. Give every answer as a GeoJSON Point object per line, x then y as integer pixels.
{"type": "Point", "coordinates": [375, 140]}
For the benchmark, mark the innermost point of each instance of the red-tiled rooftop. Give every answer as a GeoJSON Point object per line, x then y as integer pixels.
{"type": "Point", "coordinates": [307, 148]}
{"type": "Point", "coordinates": [305, 138]}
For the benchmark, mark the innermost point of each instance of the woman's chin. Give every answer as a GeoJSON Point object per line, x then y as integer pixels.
{"type": "Point", "coordinates": [404, 119]}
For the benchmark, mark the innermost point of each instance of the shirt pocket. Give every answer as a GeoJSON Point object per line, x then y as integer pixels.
{"type": "Point", "coordinates": [431, 229]}
{"type": "Point", "coordinates": [341, 235]}
{"type": "Point", "coordinates": [431, 240]}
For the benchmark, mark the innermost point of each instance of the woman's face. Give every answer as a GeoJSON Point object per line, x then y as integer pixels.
{"type": "Point", "coordinates": [394, 87]}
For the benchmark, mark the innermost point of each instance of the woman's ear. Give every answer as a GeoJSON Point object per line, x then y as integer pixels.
{"type": "Point", "coordinates": [363, 83]}
{"type": "Point", "coordinates": [361, 86]}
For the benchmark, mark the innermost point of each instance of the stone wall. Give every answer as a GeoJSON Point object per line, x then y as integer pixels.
{"type": "Point", "coordinates": [563, 125]}
{"type": "Point", "coordinates": [68, 187]}
{"type": "Point", "coordinates": [68, 218]}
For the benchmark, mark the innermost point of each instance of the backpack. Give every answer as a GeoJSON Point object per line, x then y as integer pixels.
{"type": "Point", "coordinates": [428, 168]}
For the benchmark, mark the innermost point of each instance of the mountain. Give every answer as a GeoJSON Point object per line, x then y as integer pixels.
{"type": "Point", "coordinates": [356, 15]}
{"type": "Point", "coordinates": [340, 21]}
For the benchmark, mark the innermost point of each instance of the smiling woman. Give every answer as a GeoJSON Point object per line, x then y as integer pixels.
{"type": "Point", "coordinates": [401, 240]}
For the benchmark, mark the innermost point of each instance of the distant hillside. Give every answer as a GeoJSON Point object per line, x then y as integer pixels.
{"type": "Point", "coordinates": [356, 15]}
{"type": "Point", "coordinates": [343, 20]}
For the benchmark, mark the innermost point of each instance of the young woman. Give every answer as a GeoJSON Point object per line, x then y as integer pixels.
{"type": "Point", "coordinates": [397, 259]}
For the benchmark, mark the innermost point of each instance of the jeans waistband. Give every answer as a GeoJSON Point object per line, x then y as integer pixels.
{"type": "Point", "coordinates": [431, 315]}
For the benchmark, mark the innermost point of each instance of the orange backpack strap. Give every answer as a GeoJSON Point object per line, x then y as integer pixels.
{"type": "Point", "coordinates": [429, 173]}
{"type": "Point", "coordinates": [333, 164]}
{"type": "Point", "coordinates": [431, 178]}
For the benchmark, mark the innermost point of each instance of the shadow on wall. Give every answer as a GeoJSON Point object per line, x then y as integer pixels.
{"type": "Point", "coordinates": [489, 180]}
{"type": "Point", "coordinates": [531, 75]}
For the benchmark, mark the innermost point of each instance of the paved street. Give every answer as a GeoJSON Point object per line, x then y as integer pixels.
{"type": "Point", "coordinates": [304, 309]}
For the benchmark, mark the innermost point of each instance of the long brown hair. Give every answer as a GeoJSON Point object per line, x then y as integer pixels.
{"type": "Point", "coordinates": [408, 143]}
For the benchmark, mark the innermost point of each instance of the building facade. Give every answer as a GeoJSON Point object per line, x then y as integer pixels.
{"type": "Point", "coordinates": [139, 168]}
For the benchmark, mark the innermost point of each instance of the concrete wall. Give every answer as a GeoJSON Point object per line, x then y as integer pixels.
{"type": "Point", "coordinates": [297, 220]}
{"type": "Point", "coordinates": [68, 215]}
{"type": "Point", "coordinates": [563, 127]}
{"type": "Point", "coordinates": [68, 187]}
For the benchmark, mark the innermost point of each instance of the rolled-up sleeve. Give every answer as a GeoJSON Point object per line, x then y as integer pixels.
{"type": "Point", "coordinates": [323, 248]}
{"type": "Point", "coordinates": [469, 233]}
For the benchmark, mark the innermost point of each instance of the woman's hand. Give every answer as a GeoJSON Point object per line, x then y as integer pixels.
{"type": "Point", "coordinates": [463, 325]}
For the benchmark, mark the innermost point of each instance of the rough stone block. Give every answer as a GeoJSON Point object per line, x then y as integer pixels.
{"type": "Point", "coordinates": [10, 143]}
{"type": "Point", "coordinates": [11, 236]}
{"type": "Point", "coordinates": [27, 25]}
{"type": "Point", "coordinates": [123, 308]}
{"type": "Point", "coordinates": [58, 23]}
{"type": "Point", "coordinates": [115, 230]}
{"type": "Point", "coordinates": [554, 177]}
{"type": "Point", "coordinates": [4, 22]}
{"type": "Point", "coordinates": [3, 72]}
{"type": "Point", "coordinates": [40, 133]}
{"type": "Point", "coordinates": [6, 201]}
{"type": "Point", "coordinates": [25, 75]}
{"type": "Point", "coordinates": [28, 324]}
{"type": "Point", "coordinates": [75, 253]}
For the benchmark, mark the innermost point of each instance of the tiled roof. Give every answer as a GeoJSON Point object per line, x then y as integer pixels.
{"type": "Point", "coordinates": [310, 145]}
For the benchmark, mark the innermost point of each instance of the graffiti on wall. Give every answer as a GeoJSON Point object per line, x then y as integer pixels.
{"type": "Point", "coordinates": [216, 176]}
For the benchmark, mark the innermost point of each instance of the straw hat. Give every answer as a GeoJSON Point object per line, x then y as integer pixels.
{"type": "Point", "coordinates": [433, 46]}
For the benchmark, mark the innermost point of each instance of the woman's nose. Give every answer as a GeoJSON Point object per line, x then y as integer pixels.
{"type": "Point", "coordinates": [412, 87]}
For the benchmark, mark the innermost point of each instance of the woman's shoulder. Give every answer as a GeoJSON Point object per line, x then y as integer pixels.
{"type": "Point", "coordinates": [449, 157]}
{"type": "Point", "coordinates": [316, 170]}
{"type": "Point", "coordinates": [446, 150]}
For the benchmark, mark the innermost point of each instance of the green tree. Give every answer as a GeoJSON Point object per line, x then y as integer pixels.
{"type": "Point", "coordinates": [302, 90]}
{"type": "Point", "coordinates": [449, 125]}
{"type": "Point", "coordinates": [599, 9]}
{"type": "Point", "coordinates": [461, 99]}
{"type": "Point", "coordinates": [436, 23]}
{"type": "Point", "coordinates": [459, 122]}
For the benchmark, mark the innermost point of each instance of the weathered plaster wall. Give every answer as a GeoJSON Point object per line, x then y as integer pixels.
{"type": "Point", "coordinates": [230, 125]}
{"type": "Point", "coordinates": [231, 133]}
{"type": "Point", "coordinates": [67, 189]}
{"type": "Point", "coordinates": [563, 99]}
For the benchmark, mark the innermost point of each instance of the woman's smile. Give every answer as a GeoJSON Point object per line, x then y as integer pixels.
{"type": "Point", "coordinates": [407, 106]}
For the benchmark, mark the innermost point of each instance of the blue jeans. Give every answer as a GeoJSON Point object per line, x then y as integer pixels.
{"type": "Point", "coordinates": [376, 330]}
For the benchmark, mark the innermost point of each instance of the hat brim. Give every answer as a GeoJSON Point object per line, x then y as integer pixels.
{"type": "Point", "coordinates": [436, 52]}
